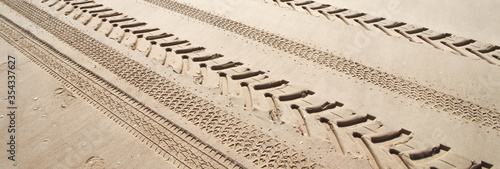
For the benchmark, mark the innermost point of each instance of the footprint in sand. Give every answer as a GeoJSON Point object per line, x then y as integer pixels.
{"type": "Point", "coordinates": [66, 95]}
{"type": "Point", "coordinates": [95, 162]}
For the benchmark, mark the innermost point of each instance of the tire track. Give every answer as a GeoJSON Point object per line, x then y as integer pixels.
{"type": "Point", "coordinates": [256, 146]}
{"type": "Point", "coordinates": [438, 100]}
{"type": "Point", "coordinates": [358, 133]}
{"type": "Point", "coordinates": [457, 45]}
{"type": "Point", "coordinates": [175, 144]}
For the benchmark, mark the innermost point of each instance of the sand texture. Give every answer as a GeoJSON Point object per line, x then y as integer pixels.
{"type": "Point", "coordinates": [249, 84]}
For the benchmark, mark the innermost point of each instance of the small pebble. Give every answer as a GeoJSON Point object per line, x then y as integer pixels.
{"type": "Point", "coordinates": [1, 116]}
{"type": "Point", "coordinates": [4, 98]}
{"type": "Point", "coordinates": [15, 164]}
{"type": "Point", "coordinates": [43, 115]}
{"type": "Point", "coordinates": [119, 163]}
{"type": "Point", "coordinates": [45, 140]}
{"type": "Point", "coordinates": [36, 98]}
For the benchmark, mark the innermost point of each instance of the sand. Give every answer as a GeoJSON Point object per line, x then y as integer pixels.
{"type": "Point", "coordinates": [291, 88]}
{"type": "Point", "coordinates": [57, 129]}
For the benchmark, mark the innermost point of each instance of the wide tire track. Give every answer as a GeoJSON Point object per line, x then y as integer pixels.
{"type": "Point", "coordinates": [441, 41]}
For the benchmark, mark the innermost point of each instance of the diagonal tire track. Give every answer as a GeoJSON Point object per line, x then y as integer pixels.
{"type": "Point", "coordinates": [439, 40]}
{"type": "Point", "coordinates": [438, 100]}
